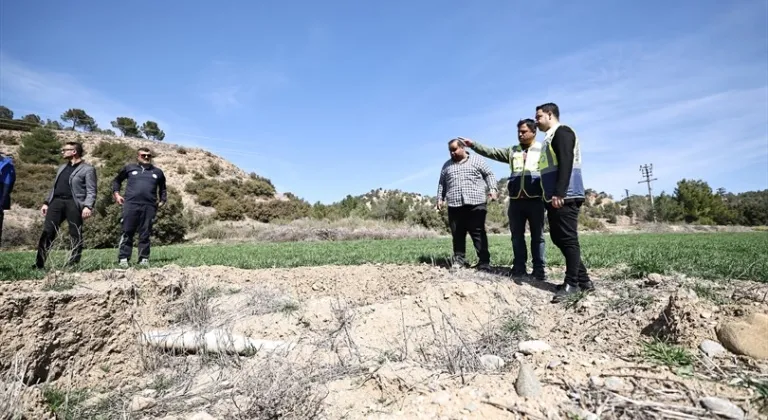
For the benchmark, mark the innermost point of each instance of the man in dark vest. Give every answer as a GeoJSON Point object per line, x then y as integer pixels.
{"type": "Point", "coordinates": [144, 192]}
{"type": "Point", "coordinates": [563, 188]}
{"type": "Point", "coordinates": [72, 197]}
{"type": "Point", "coordinates": [525, 203]}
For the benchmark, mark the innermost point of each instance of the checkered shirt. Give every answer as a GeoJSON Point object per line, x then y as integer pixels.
{"type": "Point", "coordinates": [466, 182]}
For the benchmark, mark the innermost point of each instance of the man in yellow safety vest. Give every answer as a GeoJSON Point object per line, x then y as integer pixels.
{"type": "Point", "coordinates": [525, 196]}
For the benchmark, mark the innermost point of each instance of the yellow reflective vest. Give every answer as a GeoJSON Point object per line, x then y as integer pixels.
{"type": "Point", "coordinates": [525, 177]}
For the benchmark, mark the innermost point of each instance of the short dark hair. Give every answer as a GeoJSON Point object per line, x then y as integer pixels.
{"type": "Point", "coordinates": [144, 149]}
{"type": "Point", "coordinates": [78, 147]}
{"type": "Point", "coordinates": [549, 108]}
{"type": "Point", "coordinates": [460, 141]}
{"type": "Point", "coordinates": [531, 124]}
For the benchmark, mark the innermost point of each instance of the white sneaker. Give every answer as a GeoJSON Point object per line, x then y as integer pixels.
{"type": "Point", "coordinates": [123, 262]}
{"type": "Point", "coordinates": [144, 261]}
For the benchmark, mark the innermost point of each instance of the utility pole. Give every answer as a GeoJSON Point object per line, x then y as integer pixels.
{"type": "Point", "coordinates": [647, 172]}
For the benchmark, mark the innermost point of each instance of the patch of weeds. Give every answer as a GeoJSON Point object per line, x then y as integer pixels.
{"type": "Point", "coordinates": [761, 393]}
{"type": "Point", "coordinates": [195, 306]}
{"type": "Point", "coordinates": [289, 306]}
{"type": "Point", "coordinates": [572, 300]}
{"type": "Point", "coordinates": [669, 355]}
{"type": "Point", "coordinates": [65, 404]}
{"type": "Point", "coordinates": [516, 326]}
{"type": "Point", "coordinates": [58, 282]}
{"type": "Point", "coordinates": [708, 292]}
{"type": "Point", "coordinates": [630, 299]}
{"type": "Point", "coordinates": [162, 383]}
{"type": "Point", "coordinates": [643, 267]}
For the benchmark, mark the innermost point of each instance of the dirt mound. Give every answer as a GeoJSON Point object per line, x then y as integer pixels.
{"type": "Point", "coordinates": [375, 341]}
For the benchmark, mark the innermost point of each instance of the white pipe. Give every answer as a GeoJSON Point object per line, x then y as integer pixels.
{"type": "Point", "coordinates": [215, 341]}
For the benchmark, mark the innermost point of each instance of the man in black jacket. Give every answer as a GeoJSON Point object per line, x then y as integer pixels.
{"type": "Point", "coordinates": [71, 197]}
{"type": "Point", "coordinates": [145, 183]}
{"type": "Point", "coordinates": [563, 187]}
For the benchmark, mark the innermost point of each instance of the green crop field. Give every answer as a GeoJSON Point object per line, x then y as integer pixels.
{"type": "Point", "coordinates": [707, 255]}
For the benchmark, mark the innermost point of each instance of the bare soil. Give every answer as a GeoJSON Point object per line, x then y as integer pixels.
{"type": "Point", "coordinates": [372, 341]}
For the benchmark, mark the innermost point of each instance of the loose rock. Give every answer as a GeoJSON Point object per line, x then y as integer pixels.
{"type": "Point", "coordinates": [723, 408]}
{"type": "Point", "coordinates": [748, 337]}
{"type": "Point", "coordinates": [553, 364]}
{"type": "Point", "coordinates": [711, 348]}
{"type": "Point", "coordinates": [139, 403]}
{"type": "Point", "coordinates": [527, 385]}
{"type": "Point", "coordinates": [615, 384]}
{"type": "Point", "coordinates": [653, 279]}
{"type": "Point", "coordinates": [533, 346]}
{"type": "Point", "coordinates": [492, 362]}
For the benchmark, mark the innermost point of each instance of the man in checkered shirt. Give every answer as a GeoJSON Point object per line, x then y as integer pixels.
{"type": "Point", "coordinates": [465, 184]}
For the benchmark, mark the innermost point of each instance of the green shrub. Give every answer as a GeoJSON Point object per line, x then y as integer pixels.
{"type": "Point", "coordinates": [41, 146]}
{"type": "Point", "coordinates": [33, 182]}
{"type": "Point", "coordinates": [214, 169]}
{"type": "Point", "coordinates": [272, 210]}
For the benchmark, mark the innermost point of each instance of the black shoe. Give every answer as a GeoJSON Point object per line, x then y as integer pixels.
{"type": "Point", "coordinates": [519, 271]}
{"type": "Point", "coordinates": [539, 275]}
{"type": "Point", "coordinates": [564, 292]}
{"type": "Point", "coordinates": [483, 267]}
{"type": "Point", "coordinates": [587, 286]}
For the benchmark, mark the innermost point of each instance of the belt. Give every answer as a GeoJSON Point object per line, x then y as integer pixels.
{"type": "Point", "coordinates": [63, 197]}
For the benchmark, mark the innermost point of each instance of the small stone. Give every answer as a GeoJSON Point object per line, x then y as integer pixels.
{"type": "Point", "coordinates": [139, 403]}
{"type": "Point", "coordinates": [595, 381]}
{"type": "Point", "coordinates": [722, 407]}
{"type": "Point", "coordinates": [705, 314]}
{"type": "Point", "coordinates": [598, 340]}
{"type": "Point", "coordinates": [748, 337]}
{"type": "Point", "coordinates": [711, 348]}
{"type": "Point", "coordinates": [527, 385]}
{"type": "Point", "coordinates": [553, 364]}
{"type": "Point", "coordinates": [471, 407]}
{"type": "Point", "coordinates": [441, 398]}
{"type": "Point", "coordinates": [614, 384]}
{"type": "Point", "coordinates": [492, 362]}
{"type": "Point", "coordinates": [653, 279]}
{"type": "Point", "coordinates": [533, 346]}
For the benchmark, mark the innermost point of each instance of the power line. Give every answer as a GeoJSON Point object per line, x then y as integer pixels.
{"type": "Point", "coordinates": [647, 173]}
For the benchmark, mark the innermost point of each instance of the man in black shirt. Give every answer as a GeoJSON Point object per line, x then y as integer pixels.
{"type": "Point", "coordinates": [563, 187]}
{"type": "Point", "coordinates": [145, 183]}
{"type": "Point", "coordinates": [72, 197]}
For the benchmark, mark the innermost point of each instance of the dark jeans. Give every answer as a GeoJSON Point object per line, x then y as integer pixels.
{"type": "Point", "coordinates": [521, 211]}
{"type": "Point", "coordinates": [59, 210]}
{"type": "Point", "coordinates": [2, 215]}
{"type": "Point", "coordinates": [136, 218]}
{"type": "Point", "coordinates": [469, 219]}
{"type": "Point", "coordinates": [563, 229]}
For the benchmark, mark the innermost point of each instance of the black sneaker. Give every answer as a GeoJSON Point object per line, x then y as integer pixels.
{"type": "Point", "coordinates": [587, 286]}
{"type": "Point", "coordinates": [539, 275]}
{"type": "Point", "coordinates": [565, 291]}
{"type": "Point", "coordinates": [483, 267]}
{"type": "Point", "coordinates": [516, 271]}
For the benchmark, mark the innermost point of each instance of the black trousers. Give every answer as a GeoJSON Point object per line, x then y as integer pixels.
{"type": "Point", "coordinates": [469, 219]}
{"type": "Point", "coordinates": [2, 215]}
{"type": "Point", "coordinates": [60, 209]}
{"type": "Point", "coordinates": [563, 229]}
{"type": "Point", "coordinates": [136, 218]}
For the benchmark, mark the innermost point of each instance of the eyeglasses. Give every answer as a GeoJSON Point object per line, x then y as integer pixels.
{"type": "Point", "coordinates": [67, 150]}
{"type": "Point", "coordinates": [145, 156]}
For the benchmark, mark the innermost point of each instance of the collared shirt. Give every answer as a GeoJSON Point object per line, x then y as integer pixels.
{"type": "Point", "coordinates": [465, 183]}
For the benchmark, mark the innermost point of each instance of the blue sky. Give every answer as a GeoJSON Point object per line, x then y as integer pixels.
{"type": "Point", "coordinates": [340, 97]}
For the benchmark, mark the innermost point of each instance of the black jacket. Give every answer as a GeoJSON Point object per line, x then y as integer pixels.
{"type": "Point", "coordinates": [143, 186]}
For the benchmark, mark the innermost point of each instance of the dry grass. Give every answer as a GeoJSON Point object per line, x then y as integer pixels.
{"type": "Point", "coordinates": [11, 387]}
{"type": "Point", "coordinates": [310, 230]}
